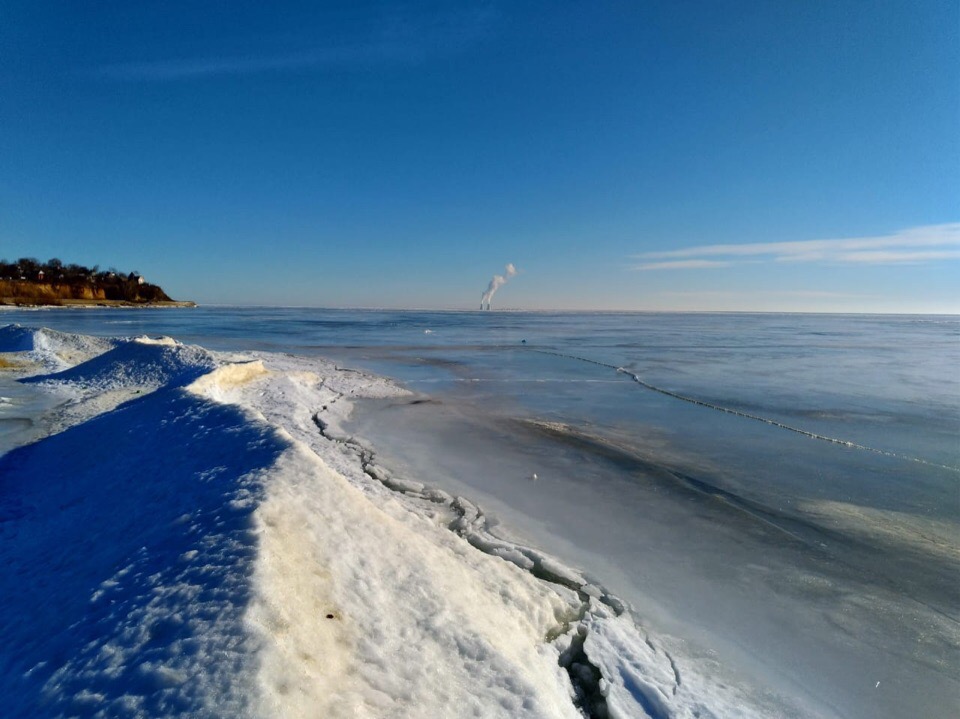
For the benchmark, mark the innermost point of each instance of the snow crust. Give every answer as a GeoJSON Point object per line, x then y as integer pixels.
{"type": "Point", "coordinates": [197, 536]}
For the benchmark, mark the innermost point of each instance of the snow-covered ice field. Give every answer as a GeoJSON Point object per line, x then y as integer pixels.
{"type": "Point", "coordinates": [193, 534]}
{"type": "Point", "coordinates": [259, 532]}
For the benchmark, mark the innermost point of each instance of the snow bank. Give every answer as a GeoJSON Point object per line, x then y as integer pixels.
{"type": "Point", "coordinates": [128, 546]}
{"type": "Point", "coordinates": [101, 374]}
{"type": "Point", "coordinates": [207, 541]}
{"type": "Point", "coordinates": [142, 363]}
{"type": "Point", "coordinates": [46, 350]}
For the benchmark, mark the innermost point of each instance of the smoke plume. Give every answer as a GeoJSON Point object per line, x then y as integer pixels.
{"type": "Point", "coordinates": [496, 283]}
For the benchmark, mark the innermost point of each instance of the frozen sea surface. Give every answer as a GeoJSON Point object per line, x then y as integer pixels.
{"type": "Point", "coordinates": [774, 497]}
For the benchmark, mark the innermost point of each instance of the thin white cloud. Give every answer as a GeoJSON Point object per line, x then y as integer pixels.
{"type": "Point", "coordinates": [913, 245]}
{"type": "Point", "coordinates": [397, 39]}
{"type": "Point", "coordinates": [680, 265]}
{"type": "Point", "coordinates": [739, 294]}
{"type": "Point", "coordinates": [165, 70]}
{"type": "Point", "coordinates": [896, 257]}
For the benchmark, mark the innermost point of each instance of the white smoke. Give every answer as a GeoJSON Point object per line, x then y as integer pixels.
{"type": "Point", "coordinates": [496, 283]}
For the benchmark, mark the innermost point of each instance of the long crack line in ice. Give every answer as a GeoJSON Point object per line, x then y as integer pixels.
{"type": "Point", "coordinates": [746, 415]}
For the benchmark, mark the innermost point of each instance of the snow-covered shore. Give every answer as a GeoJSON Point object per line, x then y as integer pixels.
{"type": "Point", "coordinates": [191, 533]}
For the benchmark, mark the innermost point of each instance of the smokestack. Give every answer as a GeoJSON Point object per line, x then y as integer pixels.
{"type": "Point", "coordinates": [496, 283]}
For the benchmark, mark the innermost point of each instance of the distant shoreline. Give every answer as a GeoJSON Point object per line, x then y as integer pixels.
{"type": "Point", "coordinates": [55, 285]}
{"type": "Point", "coordinates": [28, 303]}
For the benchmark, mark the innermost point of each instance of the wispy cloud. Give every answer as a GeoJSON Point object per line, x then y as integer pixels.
{"type": "Point", "coordinates": [395, 39]}
{"type": "Point", "coordinates": [681, 265]}
{"type": "Point", "coordinates": [911, 246]}
{"type": "Point", "coordinates": [740, 294]}
{"type": "Point", "coordinates": [185, 69]}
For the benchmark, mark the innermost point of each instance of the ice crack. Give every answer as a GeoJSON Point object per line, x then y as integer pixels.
{"type": "Point", "coordinates": [469, 522]}
{"type": "Point", "coordinates": [747, 415]}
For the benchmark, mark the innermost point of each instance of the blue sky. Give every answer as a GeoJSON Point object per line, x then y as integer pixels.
{"type": "Point", "coordinates": [622, 155]}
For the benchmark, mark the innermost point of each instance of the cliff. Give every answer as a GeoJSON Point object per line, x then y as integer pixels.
{"type": "Point", "coordinates": [123, 292]}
